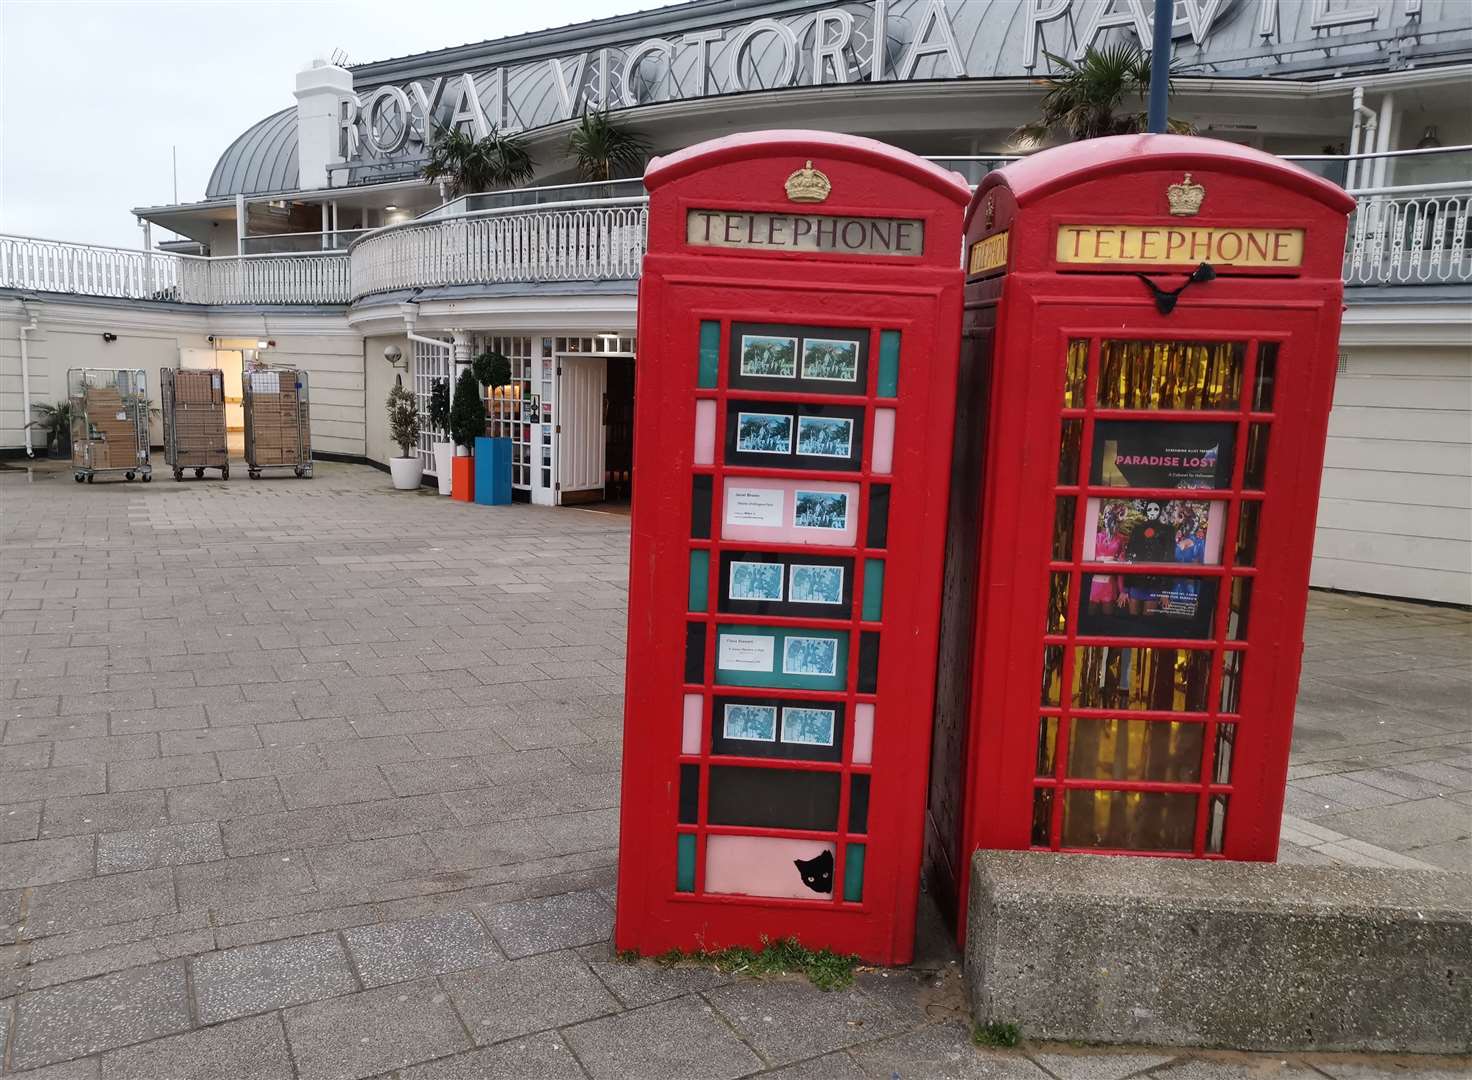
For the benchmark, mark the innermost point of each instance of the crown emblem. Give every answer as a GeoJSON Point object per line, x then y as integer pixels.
{"type": "Point", "coordinates": [988, 212]}
{"type": "Point", "coordinates": [1185, 197]}
{"type": "Point", "coordinates": [807, 184]}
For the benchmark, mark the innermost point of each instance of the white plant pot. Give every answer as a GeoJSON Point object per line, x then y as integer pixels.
{"type": "Point", "coordinates": [406, 471]}
{"type": "Point", "coordinates": [444, 456]}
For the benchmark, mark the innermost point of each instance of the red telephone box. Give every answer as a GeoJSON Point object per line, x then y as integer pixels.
{"type": "Point", "coordinates": [1148, 361]}
{"type": "Point", "coordinates": [798, 322]}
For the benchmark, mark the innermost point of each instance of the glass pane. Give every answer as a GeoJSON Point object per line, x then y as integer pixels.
{"type": "Point", "coordinates": [1129, 820]}
{"type": "Point", "coordinates": [1241, 608]}
{"type": "Point", "coordinates": [1232, 681]}
{"type": "Point", "coordinates": [1159, 750]}
{"type": "Point", "coordinates": [868, 681]}
{"type": "Point", "coordinates": [1063, 528]}
{"type": "Point", "coordinates": [1070, 449]}
{"type": "Point", "coordinates": [1115, 677]}
{"type": "Point", "coordinates": [853, 873]}
{"type": "Point", "coordinates": [1255, 469]}
{"type": "Point", "coordinates": [878, 532]}
{"type": "Point", "coordinates": [699, 580]}
{"type": "Point", "coordinates": [1267, 373]}
{"type": "Point", "coordinates": [1170, 374]}
{"type": "Point", "coordinates": [684, 862]}
{"type": "Point", "coordinates": [1075, 367]}
{"type": "Point", "coordinates": [1057, 604]}
{"type": "Point", "coordinates": [1042, 817]}
{"type": "Point", "coordinates": [700, 500]}
{"type": "Point", "coordinates": [689, 794]}
{"type": "Point", "coordinates": [772, 798]}
{"type": "Point", "coordinates": [1047, 745]}
{"type": "Point", "coordinates": [1052, 674]}
{"type": "Point", "coordinates": [858, 803]}
{"type": "Point", "coordinates": [1226, 742]}
{"type": "Point", "coordinates": [710, 355]}
{"type": "Point", "coordinates": [889, 364]}
{"type": "Point", "coordinates": [1248, 517]}
{"type": "Point", "coordinates": [1216, 831]}
{"type": "Point", "coordinates": [873, 590]}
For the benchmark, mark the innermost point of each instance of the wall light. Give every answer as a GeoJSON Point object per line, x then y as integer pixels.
{"type": "Point", "coordinates": [390, 208]}
{"type": "Point", "coordinates": [109, 338]}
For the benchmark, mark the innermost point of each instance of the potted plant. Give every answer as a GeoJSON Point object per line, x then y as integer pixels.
{"type": "Point", "coordinates": [604, 149]}
{"type": "Point", "coordinates": [439, 422]}
{"type": "Point", "coordinates": [467, 165]}
{"type": "Point", "coordinates": [56, 422]}
{"type": "Point", "coordinates": [403, 428]}
{"type": "Point", "coordinates": [493, 454]}
{"type": "Point", "coordinates": [467, 421]}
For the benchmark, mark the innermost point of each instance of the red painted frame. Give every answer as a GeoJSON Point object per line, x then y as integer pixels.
{"type": "Point", "coordinates": [991, 716]}
{"type": "Point", "coordinates": [683, 286]}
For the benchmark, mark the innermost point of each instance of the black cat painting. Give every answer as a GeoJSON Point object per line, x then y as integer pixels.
{"type": "Point", "coordinates": [817, 872]}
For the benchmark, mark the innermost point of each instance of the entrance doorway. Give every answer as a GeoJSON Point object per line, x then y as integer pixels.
{"type": "Point", "coordinates": [594, 406]}
{"type": "Point", "coordinates": [231, 364]}
{"type": "Point", "coordinates": [618, 419]}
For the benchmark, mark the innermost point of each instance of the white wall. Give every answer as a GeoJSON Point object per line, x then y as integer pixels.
{"type": "Point", "coordinates": [379, 377]}
{"type": "Point", "coordinates": [1395, 511]}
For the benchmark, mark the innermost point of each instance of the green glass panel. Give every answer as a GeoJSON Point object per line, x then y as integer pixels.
{"type": "Point", "coordinates": [699, 580]}
{"type": "Point", "coordinates": [889, 363]}
{"type": "Point", "coordinates": [853, 874]}
{"type": "Point", "coordinates": [873, 590]}
{"type": "Point", "coordinates": [685, 862]}
{"type": "Point", "coordinates": [710, 355]}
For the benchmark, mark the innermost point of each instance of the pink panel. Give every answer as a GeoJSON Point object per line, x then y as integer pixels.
{"type": "Point", "coordinates": [705, 432]}
{"type": "Point", "coordinates": [690, 737]}
{"type": "Point", "coordinates": [883, 441]}
{"type": "Point", "coordinates": [760, 866]}
{"type": "Point", "coordinates": [863, 733]}
{"type": "Point", "coordinates": [765, 510]}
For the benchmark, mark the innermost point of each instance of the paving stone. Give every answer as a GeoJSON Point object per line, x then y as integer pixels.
{"type": "Point", "coordinates": [1402, 825]}
{"type": "Point", "coordinates": [99, 1014]}
{"type": "Point", "coordinates": [789, 1019]}
{"type": "Point", "coordinates": [258, 978]}
{"type": "Point", "coordinates": [671, 1040]}
{"type": "Point", "coordinates": [1098, 1064]}
{"type": "Point", "coordinates": [207, 740]}
{"type": "Point", "coordinates": [330, 787]}
{"type": "Point", "coordinates": [40, 862]}
{"type": "Point", "coordinates": [23, 785]}
{"type": "Point", "coordinates": [941, 1052]}
{"type": "Point", "coordinates": [495, 844]}
{"type": "Point", "coordinates": [103, 813]}
{"type": "Point", "coordinates": [372, 1032]}
{"type": "Point", "coordinates": [99, 901]}
{"type": "Point", "coordinates": [234, 881]}
{"type": "Point", "coordinates": [1275, 1068]}
{"type": "Point", "coordinates": [224, 800]}
{"type": "Point", "coordinates": [26, 755]}
{"type": "Point", "coordinates": [162, 773]}
{"type": "Point", "coordinates": [104, 749]}
{"type": "Point", "coordinates": [644, 982]}
{"type": "Point", "coordinates": [92, 962]}
{"type": "Point", "coordinates": [523, 996]}
{"type": "Point", "coordinates": [414, 948]}
{"type": "Point", "coordinates": [253, 1049]}
{"type": "Point", "coordinates": [835, 1066]}
{"type": "Point", "coordinates": [356, 753]}
{"type": "Point", "coordinates": [268, 761]}
{"type": "Point", "coordinates": [170, 845]}
{"type": "Point", "coordinates": [76, 1069]}
{"type": "Point", "coordinates": [1387, 1069]}
{"type": "Point", "coordinates": [546, 923]}
{"type": "Point", "coordinates": [394, 817]}
{"type": "Point", "coordinates": [424, 777]}
{"type": "Point", "coordinates": [543, 1057]}
{"type": "Point", "coordinates": [20, 821]}
{"type": "Point", "coordinates": [366, 862]}
{"type": "Point", "coordinates": [284, 830]}
{"type": "Point", "coordinates": [590, 830]}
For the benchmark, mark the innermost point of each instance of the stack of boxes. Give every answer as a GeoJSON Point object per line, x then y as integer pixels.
{"type": "Point", "coordinates": [197, 420]}
{"type": "Point", "coordinates": [277, 425]}
{"type": "Point", "coordinates": [111, 439]}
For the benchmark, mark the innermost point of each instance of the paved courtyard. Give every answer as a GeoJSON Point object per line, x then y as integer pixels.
{"type": "Point", "coordinates": [317, 780]}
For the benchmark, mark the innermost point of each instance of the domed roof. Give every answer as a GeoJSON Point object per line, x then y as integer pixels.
{"type": "Point", "coordinates": [262, 160]}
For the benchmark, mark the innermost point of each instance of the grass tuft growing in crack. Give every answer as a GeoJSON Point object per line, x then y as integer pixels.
{"type": "Point", "coordinates": [823, 968]}
{"type": "Point", "coordinates": [996, 1034]}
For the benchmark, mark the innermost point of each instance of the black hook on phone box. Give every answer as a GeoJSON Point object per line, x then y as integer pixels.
{"type": "Point", "coordinates": [1165, 299]}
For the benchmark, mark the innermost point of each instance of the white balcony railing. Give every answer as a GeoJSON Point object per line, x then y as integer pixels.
{"type": "Point", "coordinates": [58, 266]}
{"type": "Point", "coordinates": [593, 240]}
{"type": "Point", "coordinates": [1400, 237]}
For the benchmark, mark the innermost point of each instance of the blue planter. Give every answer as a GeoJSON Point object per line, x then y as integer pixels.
{"type": "Point", "coordinates": [493, 471]}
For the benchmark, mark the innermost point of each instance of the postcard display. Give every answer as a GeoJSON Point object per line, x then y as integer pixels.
{"type": "Point", "coordinates": [1130, 537]}
{"type": "Point", "coordinates": [797, 327]}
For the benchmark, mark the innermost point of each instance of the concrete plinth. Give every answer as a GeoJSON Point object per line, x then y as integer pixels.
{"type": "Point", "coordinates": [1244, 955]}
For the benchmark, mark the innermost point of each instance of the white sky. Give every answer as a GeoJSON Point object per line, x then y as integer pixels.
{"type": "Point", "coordinates": [94, 93]}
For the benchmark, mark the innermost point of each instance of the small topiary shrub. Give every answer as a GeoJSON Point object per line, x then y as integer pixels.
{"type": "Point", "coordinates": [467, 411]}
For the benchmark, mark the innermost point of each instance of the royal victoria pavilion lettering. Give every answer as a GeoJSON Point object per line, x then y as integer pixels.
{"type": "Point", "coordinates": [918, 40]}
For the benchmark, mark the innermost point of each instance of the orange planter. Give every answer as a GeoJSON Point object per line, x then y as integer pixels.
{"type": "Point", "coordinates": [462, 479]}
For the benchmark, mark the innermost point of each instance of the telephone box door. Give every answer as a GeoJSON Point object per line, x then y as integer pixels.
{"type": "Point", "coordinates": [1169, 625]}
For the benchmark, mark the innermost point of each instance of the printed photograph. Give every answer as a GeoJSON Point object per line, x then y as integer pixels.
{"type": "Point", "coordinates": [831, 361]}
{"type": "Point", "coordinates": [813, 727]}
{"type": "Point", "coordinates": [1163, 531]}
{"type": "Point", "coordinates": [764, 433]}
{"type": "Point", "coordinates": [815, 584]}
{"type": "Point", "coordinates": [1134, 605]}
{"type": "Point", "coordinates": [756, 581]}
{"type": "Point", "coordinates": [821, 510]}
{"type": "Point", "coordinates": [810, 656]}
{"type": "Point", "coordinates": [756, 723]}
{"type": "Point", "coordinates": [822, 436]}
{"type": "Point", "coordinates": [768, 357]}
{"type": "Point", "coordinates": [1160, 455]}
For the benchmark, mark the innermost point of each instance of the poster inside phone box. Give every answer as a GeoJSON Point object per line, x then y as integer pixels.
{"type": "Point", "coordinates": [798, 328]}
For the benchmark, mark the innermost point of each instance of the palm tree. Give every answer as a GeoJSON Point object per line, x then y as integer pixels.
{"type": "Point", "coordinates": [604, 148]}
{"type": "Point", "coordinates": [468, 165]}
{"type": "Point", "coordinates": [1085, 98]}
